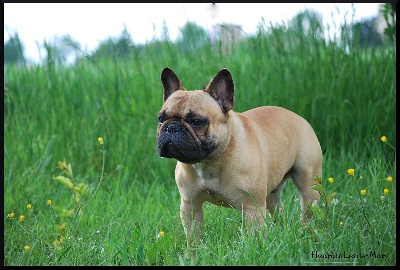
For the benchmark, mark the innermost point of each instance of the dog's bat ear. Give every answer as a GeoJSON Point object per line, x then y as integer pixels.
{"type": "Point", "coordinates": [170, 82]}
{"type": "Point", "coordinates": [221, 88]}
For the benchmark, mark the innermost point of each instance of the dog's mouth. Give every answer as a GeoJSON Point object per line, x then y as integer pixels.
{"type": "Point", "coordinates": [176, 142]}
{"type": "Point", "coordinates": [171, 150]}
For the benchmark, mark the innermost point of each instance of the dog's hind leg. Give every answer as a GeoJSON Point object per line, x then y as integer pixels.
{"type": "Point", "coordinates": [303, 180]}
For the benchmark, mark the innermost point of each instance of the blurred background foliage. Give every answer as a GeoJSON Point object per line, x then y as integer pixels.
{"type": "Point", "coordinates": [305, 25]}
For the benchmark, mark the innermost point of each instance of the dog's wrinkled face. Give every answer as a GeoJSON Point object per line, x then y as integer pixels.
{"type": "Point", "coordinates": [183, 130]}
{"type": "Point", "coordinates": [192, 124]}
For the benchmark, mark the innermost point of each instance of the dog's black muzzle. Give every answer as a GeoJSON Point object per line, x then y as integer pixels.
{"type": "Point", "coordinates": [175, 141]}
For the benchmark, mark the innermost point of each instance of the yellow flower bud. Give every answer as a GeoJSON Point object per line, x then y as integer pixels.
{"type": "Point", "coordinates": [100, 140]}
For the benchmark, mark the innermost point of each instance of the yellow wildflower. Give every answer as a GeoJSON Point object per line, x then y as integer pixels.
{"type": "Point", "coordinates": [389, 179]}
{"type": "Point", "coordinates": [330, 179]}
{"type": "Point", "coordinates": [363, 192]}
{"type": "Point", "coordinates": [100, 140]}
{"type": "Point", "coordinates": [21, 217]}
{"type": "Point", "coordinates": [383, 139]}
{"type": "Point", "coordinates": [27, 248]}
{"type": "Point", "coordinates": [350, 171]}
{"type": "Point", "coordinates": [161, 234]}
{"type": "Point", "coordinates": [49, 202]}
{"type": "Point", "coordinates": [29, 206]}
{"type": "Point", "coordinates": [340, 223]}
{"type": "Point", "coordinates": [11, 215]}
{"type": "Point", "coordinates": [386, 191]}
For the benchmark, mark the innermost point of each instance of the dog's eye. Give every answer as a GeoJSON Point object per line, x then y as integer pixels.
{"type": "Point", "coordinates": [197, 122]}
{"type": "Point", "coordinates": [160, 119]}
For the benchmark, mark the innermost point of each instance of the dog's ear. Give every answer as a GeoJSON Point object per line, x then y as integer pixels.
{"type": "Point", "coordinates": [221, 88]}
{"type": "Point", "coordinates": [170, 82]}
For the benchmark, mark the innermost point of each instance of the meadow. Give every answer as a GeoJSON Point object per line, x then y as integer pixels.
{"type": "Point", "coordinates": [115, 202]}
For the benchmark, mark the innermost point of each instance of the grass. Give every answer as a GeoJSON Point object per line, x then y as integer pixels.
{"type": "Point", "coordinates": [52, 113]}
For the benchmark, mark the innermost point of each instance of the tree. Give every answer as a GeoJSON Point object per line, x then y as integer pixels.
{"type": "Point", "coordinates": [362, 34]}
{"type": "Point", "coordinates": [193, 37]}
{"type": "Point", "coordinates": [389, 14]}
{"type": "Point", "coordinates": [115, 48]}
{"type": "Point", "coordinates": [61, 49]}
{"type": "Point", "coordinates": [307, 23]}
{"type": "Point", "coordinates": [14, 51]}
{"type": "Point", "coordinates": [302, 36]}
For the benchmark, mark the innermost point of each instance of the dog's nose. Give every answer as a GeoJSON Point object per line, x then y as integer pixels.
{"type": "Point", "coordinates": [174, 127]}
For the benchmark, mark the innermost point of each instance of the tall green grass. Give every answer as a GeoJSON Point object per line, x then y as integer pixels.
{"type": "Point", "coordinates": [52, 113]}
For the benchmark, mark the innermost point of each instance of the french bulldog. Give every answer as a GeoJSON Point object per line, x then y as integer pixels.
{"type": "Point", "coordinates": [232, 159]}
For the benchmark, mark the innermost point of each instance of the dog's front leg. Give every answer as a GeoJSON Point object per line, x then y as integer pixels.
{"type": "Point", "coordinates": [254, 217]}
{"type": "Point", "coordinates": [192, 220]}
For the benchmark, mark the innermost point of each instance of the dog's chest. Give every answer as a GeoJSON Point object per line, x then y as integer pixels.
{"type": "Point", "coordinates": [206, 178]}
{"type": "Point", "coordinates": [209, 186]}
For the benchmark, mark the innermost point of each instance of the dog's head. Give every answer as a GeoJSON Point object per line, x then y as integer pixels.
{"type": "Point", "coordinates": [192, 125]}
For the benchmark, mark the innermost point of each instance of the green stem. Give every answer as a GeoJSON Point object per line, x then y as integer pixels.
{"type": "Point", "coordinates": [102, 171]}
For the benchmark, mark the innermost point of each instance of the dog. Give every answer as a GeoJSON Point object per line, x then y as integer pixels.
{"type": "Point", "coordinates": [232, 159]}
